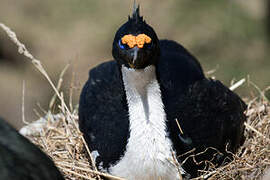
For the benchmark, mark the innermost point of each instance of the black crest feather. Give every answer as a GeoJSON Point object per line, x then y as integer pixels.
{"type": "Point", "coordinates": [136, 13]}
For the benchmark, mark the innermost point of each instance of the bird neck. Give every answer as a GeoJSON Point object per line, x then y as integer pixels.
{"type": "Point", "coordinates": [143, 95]}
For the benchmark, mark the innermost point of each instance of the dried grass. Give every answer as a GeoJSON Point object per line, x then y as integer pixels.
{"type": "Point", "coordinates": [61, 139]}
{"type": "Point", "coordinates": [253, 158]}
{"type": "Point", "coordinates": [64, 108]}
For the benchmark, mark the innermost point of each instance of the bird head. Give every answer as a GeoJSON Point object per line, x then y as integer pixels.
{"type": "Point", "coordinates": [136, 44]}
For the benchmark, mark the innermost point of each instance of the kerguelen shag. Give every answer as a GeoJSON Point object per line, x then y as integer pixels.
{"type": "Point", "coordinates": [141, 113]}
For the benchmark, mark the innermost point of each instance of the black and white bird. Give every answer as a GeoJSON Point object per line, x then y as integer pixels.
{"type": "Point", "coordinates": [22, 160]}
{"type": "Point", "coordinates": [129, 107]}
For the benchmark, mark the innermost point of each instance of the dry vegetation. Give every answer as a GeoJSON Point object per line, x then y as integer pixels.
{"type": "Point", "coordinates": [61, 139]}
{"type": "Point", "coordinates": [252, 159]}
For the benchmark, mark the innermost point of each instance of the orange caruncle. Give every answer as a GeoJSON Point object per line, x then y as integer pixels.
{"type": "Point", "coordinates": [139, 40]}
{"type": "Point", "coordinates": [130, 40]}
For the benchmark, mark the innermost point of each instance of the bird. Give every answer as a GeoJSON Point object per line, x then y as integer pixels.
{"type": "Point", "coordinates": [144, 111]}
{"type": "Point", "coordinates": [20, 159]}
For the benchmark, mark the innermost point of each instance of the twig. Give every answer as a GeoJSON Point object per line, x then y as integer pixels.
{"type": "Point", "coordinates": [181, 131]}
{"type": "Point", "coordinates": [23, 105]}
{"type": "Point", "coordinates": [37, 113]}
{"type": "Point", "coordinates": [89, 170]}
{"type": "Point", "coordinates": [212, 71]}
{"type": "Point", "coordinates": [177, 165]}
{"type": "Point", "coordinates": [71, 91]}
{"type": "Point", "coordinates": [259, 90]}
{"type": "Point", "coordinates": [205, 176]}
{"type": "Point", "coordinates": [77, 174]}
{"type": "Point", "coordinates": [41, 108]}
{"type": "Point", "coordinates": [22, 50]}
{"type": "Point", "coordinates": [236, 85]}
{"type": "Point", "coordinates": [59, 84]}
{"type": "Point", "coordinates": [256, 131]}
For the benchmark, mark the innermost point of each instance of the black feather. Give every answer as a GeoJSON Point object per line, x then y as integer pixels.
{"type": "Point", "coordinates": [20, 159]}
{"type": "Point", "coordinates": [136, 13]}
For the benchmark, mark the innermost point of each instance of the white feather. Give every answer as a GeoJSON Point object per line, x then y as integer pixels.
{"type": "Point", "coordinates": [149, 153]}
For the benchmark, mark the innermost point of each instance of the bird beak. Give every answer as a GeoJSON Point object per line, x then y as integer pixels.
{"type": "Point", "coordinates": [134, 54]}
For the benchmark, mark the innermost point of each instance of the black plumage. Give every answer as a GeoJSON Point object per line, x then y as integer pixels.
{"type": "Point", "coordinates": [209, 114]}
{"type": "Point", "coordinates": [103, 113]}
{"type": "Point", "coordinates": [20, 159]}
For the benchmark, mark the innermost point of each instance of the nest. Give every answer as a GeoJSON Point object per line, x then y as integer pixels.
{"type": "Point", "coordinates": [253, 157]}
{"type": "Point", "coordinates": [59, 137]}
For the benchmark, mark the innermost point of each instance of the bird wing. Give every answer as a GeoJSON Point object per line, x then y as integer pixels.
{"type": "Point", "coordinates": [210, 115]}
{"type": "Point", "coordinates": [176, 69]}
{"type": "Point", "coordinates": [200, 104]}
{"type": "Point", "coordinates": [103, 113]}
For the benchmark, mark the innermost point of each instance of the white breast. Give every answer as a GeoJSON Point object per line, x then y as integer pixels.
{"type": "Point", "coordinates": [149, 153]}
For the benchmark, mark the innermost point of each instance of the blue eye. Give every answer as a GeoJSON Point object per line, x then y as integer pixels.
{"type": "Point", "coordinates": [121, 45]}
{"type": "Point", "coordinates": [148, 45]}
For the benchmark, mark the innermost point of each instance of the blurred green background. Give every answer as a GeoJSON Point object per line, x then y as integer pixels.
{"type": "Point", "coordinates": [229, 36]}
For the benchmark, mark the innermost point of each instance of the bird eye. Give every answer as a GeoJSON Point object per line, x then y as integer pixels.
{"type": "Point", "coordinates": [121, 45]}
{"type": "Point", "coordinates": [148, 45]}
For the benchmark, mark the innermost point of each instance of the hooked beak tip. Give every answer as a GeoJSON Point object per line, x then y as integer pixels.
{"type": "Point", "coordinates": [135, 55]}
